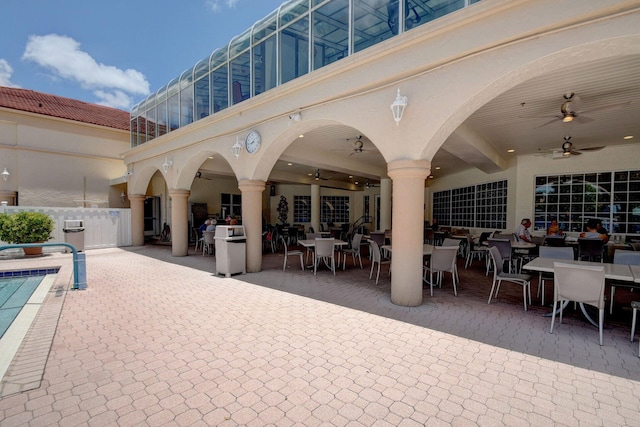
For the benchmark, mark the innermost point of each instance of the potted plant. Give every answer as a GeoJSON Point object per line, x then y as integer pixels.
{"type": "Point", "coordinates": [283, 210]}
{"type": "Point", "coordinates": [26, 227]}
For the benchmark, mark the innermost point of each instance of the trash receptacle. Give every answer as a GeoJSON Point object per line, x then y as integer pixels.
{"type": "Point", "coordinates": [231, 248]}
{"type": "Point", "coordinates": [74, 233]}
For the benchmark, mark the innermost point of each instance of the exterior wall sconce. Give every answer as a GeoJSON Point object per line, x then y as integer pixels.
{"type": "Point", "coordinates": [122, 196]}
{"type": "Point", "coordinates": [5, 174]}
{"type": "Point", "coordinates": [166, 165]}
{"type": "Point", "coordinates": [398, 106]}
{"type": "Point", "coordinates": [126, 176]}
{"type": "Point", "coordinates": [236, 148]}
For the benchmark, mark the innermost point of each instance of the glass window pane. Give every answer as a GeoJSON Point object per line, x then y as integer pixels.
{"type": "Point", "coordinates": [201, 69]}
{"type": "Point", "coordinates": [371, 23]}
{"type": "Point", "coordinates": [293, 10]}
{"type": "Point", "coordinates": [294, 50]}
{"type": "Point", "coordinates": [186, 105]}
{"type": "Point", "coordinates": [264, 65]}
{"type": "Point", "coordinates": [220, 88]}
{"type": "Point", "coordinates": [418, 13]}
{"type": "Point", "coordinates": [330, 33]}
{"type": "Point", "coordinates": [173, 110]}
{"type": "Point", "coordinates": [151, 123]}
{"type": "Point", "coordinates": [202, 97]}
{"type": "Point", "coordinates": [240, 43]}
{"type": "Point", "coordinates": [265, 27]}
{"type": "Point", "coordinates": [240, 71]}
{"type": "Point", "coordinates": [218, 58]}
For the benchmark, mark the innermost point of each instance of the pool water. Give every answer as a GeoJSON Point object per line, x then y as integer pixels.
{"type": "Point", "coordinates": [14, 294]}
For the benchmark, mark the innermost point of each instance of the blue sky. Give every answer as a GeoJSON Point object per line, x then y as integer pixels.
{"type": "Point", "coordinates": [114, 52]}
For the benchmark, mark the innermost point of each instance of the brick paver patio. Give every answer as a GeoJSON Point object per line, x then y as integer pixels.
{"type": "Point", "coordinates": [157, 340]}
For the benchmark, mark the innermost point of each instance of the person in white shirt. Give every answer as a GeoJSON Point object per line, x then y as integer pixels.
{"type": "Point", "coordinates": [212, 225]}
{"type": "Point", "coordinates": [523, 231]}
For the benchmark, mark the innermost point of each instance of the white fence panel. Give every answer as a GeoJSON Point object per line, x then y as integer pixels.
{"type": "Point", "coordinates": [103, 227]}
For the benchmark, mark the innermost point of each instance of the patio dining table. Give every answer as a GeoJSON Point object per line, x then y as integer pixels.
{"type": "Point", "coordinates": [619, 272]}
{"type": "Point", "coordinates": [311, 243]}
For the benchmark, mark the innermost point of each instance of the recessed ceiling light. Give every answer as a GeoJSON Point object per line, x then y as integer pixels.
{"type": "Point", "coordinates": [289, 164]}
{"type": "Point", "coordinates": [628, 137]}
{"type": "Point", "coordinates": [511, 150]}
{"type": "Point", "coordinates": [310, 174]}
{"type": "Point", "coordinates": [437, 168]}
{"type": "Point", "coordinates": [356, 183]}
{"type": "Point", "coordinates": [211, 157]}
{"type": "Point", "coordinates": [301, 136]}
{"type": "Point", "coordinates": [350, 176]}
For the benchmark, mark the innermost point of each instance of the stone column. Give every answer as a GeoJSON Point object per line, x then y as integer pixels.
{"type": "Point", "coordinates": [407, 229]}
{"type": "Point", "coordinates": [385, 204]}
{"type": "Point", "coordinates": [136, 202]}
{"type": "Point", "coordinates": [179, 222]}
{"type": "Point", "coordinates": [252, 221]}
{"type": "Point", "coordinates": [315, 207]}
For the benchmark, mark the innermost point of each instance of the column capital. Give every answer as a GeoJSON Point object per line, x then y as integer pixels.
{"type": "Point", "coordinates": [179, 193]}
{"type": "Point", "coordinates": [409, 169]}
{"type": "Point", "coordinates": [255, 185]}
{"type": "Point", "coordinates": [136, 196]}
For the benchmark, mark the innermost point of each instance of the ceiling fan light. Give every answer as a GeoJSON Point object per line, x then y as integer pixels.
{"type": "Point", "coordinates": [567, 118]}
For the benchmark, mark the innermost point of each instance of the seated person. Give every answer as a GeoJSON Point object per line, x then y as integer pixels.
{"type": "Point", "coordinates": [434, 224]}
{"type": "Point", "coordinates": [522, 231]}
{"type": "Point", "coordinates": [212, 225]}
{"type": "Point", "coordinates": [592, 231]}
{"type": "Point", "coordinates": [554, 229]}
{"type": "Point", "coordinates": [203, 227]}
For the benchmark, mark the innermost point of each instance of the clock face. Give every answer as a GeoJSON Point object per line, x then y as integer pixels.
{"type": "Point", "coordinates": [252, 142]}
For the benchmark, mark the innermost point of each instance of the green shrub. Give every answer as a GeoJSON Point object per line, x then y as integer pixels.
{"type": "Point", "coordinates": [25, 227]}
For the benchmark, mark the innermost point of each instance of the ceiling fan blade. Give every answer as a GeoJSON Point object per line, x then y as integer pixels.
{"type": "Point", "coordinates": [607, 107]}
{"type": "Point", "coordinates": [582, 119]}
{"type": "Point", "coordinates": [575, 152]}
{"type": "Point", "coordinates": [590, 149]}
{"type": "Point", "coordinates": [556, 119]}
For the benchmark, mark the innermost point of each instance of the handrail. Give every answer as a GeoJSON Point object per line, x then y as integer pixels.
{"type": "Point", "coordinates": [79, 266]}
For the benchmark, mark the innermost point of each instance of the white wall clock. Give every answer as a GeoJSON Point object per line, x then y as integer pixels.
{"type": "Point", "coordinates": [252, 141]}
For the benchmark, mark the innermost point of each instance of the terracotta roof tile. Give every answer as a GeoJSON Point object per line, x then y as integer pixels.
{"type": "Point", "coordinates": [64, 108]}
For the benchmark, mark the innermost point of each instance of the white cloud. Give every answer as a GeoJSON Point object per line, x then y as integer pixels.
{"type": "Point", "coordinates": [216, 5]}
{"type": "Point", "coordinates": [117, 99]}
{"type": "Point", "coordinates": [62, 55]}
{"type": "Point", "coordinates": [6, 71]}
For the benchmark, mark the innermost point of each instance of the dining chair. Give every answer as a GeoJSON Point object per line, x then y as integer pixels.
{"type": "Point", "coordinates": [504, 246]}
{"type": "Point", "coordinates": [377, 259]}
{"type": "Point", "coordinates": [288, 253]}
{"type": "Point", "coordinates": [208, 242]}
{"type": "Point", "coordinates": [196, 237]}
{"type": "Point", "coordinates": [591, 249]}
{"type": "Point", "coordinates": [474, 250]}
{"type": "Point", "coordinates": [443, 259]}
{"type": "Point", "coordinates": [621, 256]}
{"type": "Point", "coordinates": [499, 276]}
{"type": "Point", "coordinates": [554, 241]}
{"type": "Point", "coordinates": [354, 250]}
{"type": "Point", "coordinates": [552, 252]}
{"type": "Point", "coordinates": [324, 251]}
{"type": "Point", "coordinates": [579, 283]}
{"type": "Point", "coordinates": [635, 306]}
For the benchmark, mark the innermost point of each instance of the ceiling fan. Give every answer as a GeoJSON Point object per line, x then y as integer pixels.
{"type": "Point", "coordinates": [367, 184]}
{"type": "Point", "coordinates": [568, 150]}
{"type": "Point", "coordinates": [318, 177]}
{"type": "Point", "coordinates": [200, 176]}
{"type": "Point", "coordinates": [569, 111]}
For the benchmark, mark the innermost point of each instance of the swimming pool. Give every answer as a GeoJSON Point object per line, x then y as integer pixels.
{"type": "Point", "coordinates": [21, 296]}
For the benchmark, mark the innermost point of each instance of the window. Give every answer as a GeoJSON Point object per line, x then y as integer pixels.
{"type": "Point", "coordinates": [573, 199]}
{"type": "Point", "coordinates": [334, 209]}
{"type": "Point", "coordinates": [479, 206]}
{"type": "Point", "coordinates": [231, 204]}
{"type": "Point", "coordinates": [301, 209]}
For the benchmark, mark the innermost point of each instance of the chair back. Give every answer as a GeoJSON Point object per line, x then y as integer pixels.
{"type": "Point", "coordinates": [443, 258]}
{"type": "Point", "coordinates": [635, 246]}
{"type": "Point", "coordinates": [378, 237]}
{"type": "Point", "coordinates": [621, 256]}
{"type": "Point", "coordinates": [324, 247]}
{"type": "Point", "coordinates": [312, 236]}
{"type": "Point", "coordinates": [209, 237]}
{"type": "Point", "coordinates": [283, 242]}
{"type": "Point", "coordinates": [484, 236]}
{"type": "Point", "coordinates": [580, 283]}
{"type": "Point", "coordinates": [504, 247]}
{"type": "Point", "coordinates": [470, 242]}
{"type": "Point", "coordinates": [498, 262]}
{"type": "Point", "coordinates": [451, 242]}
{"type": "Point", "coordinates": [556, 252]}
{"type": "Point", "coordinates": [355, 242]}
{"type": "Point", "coordinates": [590, 247]}
{"type": "Point", "coordinates": [555, 240]}
{"type": "Point", "coordinates": [500, 236]}
{"type": "Point", "coordinates": [375, 251]}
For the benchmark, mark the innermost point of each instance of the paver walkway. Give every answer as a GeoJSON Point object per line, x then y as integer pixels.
{"type": "Point", "coordinates": [156, 340]}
